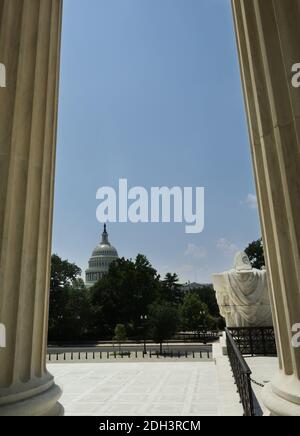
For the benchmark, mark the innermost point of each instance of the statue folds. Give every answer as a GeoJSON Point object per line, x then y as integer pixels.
{"type": "Point", "coordinates": [242, 295]}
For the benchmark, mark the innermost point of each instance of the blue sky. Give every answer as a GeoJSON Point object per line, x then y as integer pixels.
{"type": "Point", "coordinates": [150, 91]}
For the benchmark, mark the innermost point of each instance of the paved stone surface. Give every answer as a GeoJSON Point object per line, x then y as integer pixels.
{"type": "Point", "coordinates": [263, 370]}
{"type": "Point", "coordinates": [160, 388]}
{"type": "Point", "coordinates": [228, 398]}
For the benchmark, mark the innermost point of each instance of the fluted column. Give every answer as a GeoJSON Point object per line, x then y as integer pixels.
{"type": "Point", "coordinates": [268, 35]}
{"type": "Point", "coordinates": [29, 49]}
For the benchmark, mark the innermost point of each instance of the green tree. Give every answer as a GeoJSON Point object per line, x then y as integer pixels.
{"type": "Point", "coordinates": [171, 289]}
{"type": "Point", "coordinates": [147, 282]}
{"type": "Point", "coordinates": [163, 322]}
{"type": "Point", "coordinates": [123, 295]}
{"type": "Point", "coordinates": [194, 313]}
{"type": "Point", "coordinates": [255, 252]}
{"type": "Point", "coordinates": [120, 335]}
{"type": "Point", "coordinates": [63, 273]}
{"type": "Point", "coordinates": [207, 295]}
{"type": "Point", "coordinates": [69, 304]}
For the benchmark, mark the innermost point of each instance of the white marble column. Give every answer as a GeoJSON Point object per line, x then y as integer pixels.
{"type": "Point", "coordinates": [29, 49]}
{"type": "Point", "coordinates": [268, 37]}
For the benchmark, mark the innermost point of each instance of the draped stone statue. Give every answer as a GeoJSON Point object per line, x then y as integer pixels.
{"type": "Point", "coordinates": [242, 294]}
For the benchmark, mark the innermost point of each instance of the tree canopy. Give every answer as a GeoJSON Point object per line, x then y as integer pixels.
{"type": "Point", "coordinates": [163, 322]}
{"type": "Point", "coordinates": [193, 313]}
{"type": "Point", "coordinates": [131, 295]}
{"type": "Point", "coordinates": [255, 252]}
{"type": "Point", "coordinates": [124, 294]}
{"type": "Point", "coordinates": [69, 306]}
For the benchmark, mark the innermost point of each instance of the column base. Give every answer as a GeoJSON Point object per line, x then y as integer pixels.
{"type": "Point", "coordinates": [282, 396]}
{"type": "Point", "coordinates": [42, 404]}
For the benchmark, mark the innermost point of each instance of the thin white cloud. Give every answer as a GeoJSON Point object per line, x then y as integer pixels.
{"type": "Point", "coordinates": [193, 273]}
{"type": "Point", "coordinates": [250, 201]}
{"type": "Point", "coordinates": [226, 246]}
{"type": "Point", "coordinates": [195, 251]}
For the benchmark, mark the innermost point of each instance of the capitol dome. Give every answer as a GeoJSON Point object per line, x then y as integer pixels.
{"type": "Point", "coordinates": [103, 255]}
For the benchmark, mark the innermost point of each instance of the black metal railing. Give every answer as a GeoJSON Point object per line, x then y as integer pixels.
{"type": "Point", "coordinates": [69, 356]}
{"type": "Point", "coordinates": [204, 336]}
{"type": "Point", "coordinates": [241, 373]}
{"type": "Point", "coordinates": [254, 341]}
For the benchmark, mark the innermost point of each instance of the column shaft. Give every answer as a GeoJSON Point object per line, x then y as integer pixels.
{"type": "Point", "coordinates": [268, 35]}
{"type": "Point", "coordinates": [29, 48]}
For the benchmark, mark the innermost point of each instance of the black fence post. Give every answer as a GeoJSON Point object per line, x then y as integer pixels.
{"type": "Point", "coordinates": [264, 342]}
{"type": "Point", "coordinates": [251, 342]}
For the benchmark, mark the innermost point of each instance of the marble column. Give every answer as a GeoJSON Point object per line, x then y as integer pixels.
{"type": "Point", "coordinates": [268, 35]}
{"type": "Point", "coordinates": [29, 49]}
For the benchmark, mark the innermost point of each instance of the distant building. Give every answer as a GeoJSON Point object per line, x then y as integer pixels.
{"type": "Point", "coordinates": [192, 286]}
{"type": "Point", "coordinates": [103, 255]}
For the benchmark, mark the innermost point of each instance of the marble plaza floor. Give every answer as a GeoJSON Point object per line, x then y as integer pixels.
{"type": "Point", "coordinates": [263, 370]}
{"type": "Point", "coordinates": [143, 389]}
